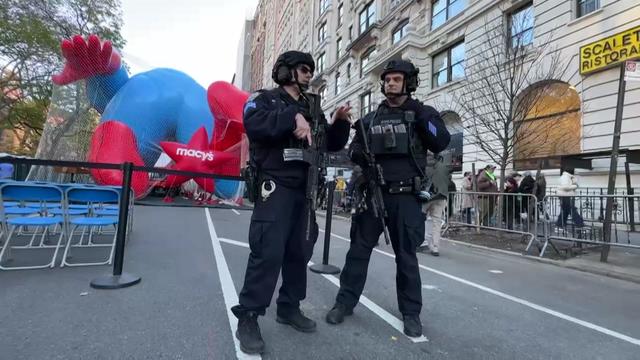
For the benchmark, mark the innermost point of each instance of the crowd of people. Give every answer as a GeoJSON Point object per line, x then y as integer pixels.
{"type": "Point", "coordinates": [516, 207]}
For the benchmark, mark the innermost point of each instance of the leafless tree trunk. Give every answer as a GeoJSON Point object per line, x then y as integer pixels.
{"type": "Point", "coordinates": [507, 77]}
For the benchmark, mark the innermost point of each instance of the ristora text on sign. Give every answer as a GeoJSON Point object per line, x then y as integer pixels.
{"type": "Point", "coordinates": [607, 52]}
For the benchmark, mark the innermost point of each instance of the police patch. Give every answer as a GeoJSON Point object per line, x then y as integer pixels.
{"type": "Point", "coordinates": [432, 129]}
{"type": "Point", "coordinates": [254, 95]}
{"type": "Point", "coordinates": [249, 105]}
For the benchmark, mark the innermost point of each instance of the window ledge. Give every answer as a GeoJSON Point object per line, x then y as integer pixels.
{"type": "Point", "coordinates": [448, 85]}
{"type": "Point", "coordinates": [591, 14]}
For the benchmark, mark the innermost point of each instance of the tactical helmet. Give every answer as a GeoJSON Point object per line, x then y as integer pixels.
{"type": "Point", "coordinates": [281, 72]}
{"type": "Point", "coordinates": [405, 67]}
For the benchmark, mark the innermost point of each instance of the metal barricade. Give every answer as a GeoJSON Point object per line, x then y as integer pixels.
{"type": "Point", "coordinates": [509, 212]}
{"type": "Point", "coordinates": [580, 219]}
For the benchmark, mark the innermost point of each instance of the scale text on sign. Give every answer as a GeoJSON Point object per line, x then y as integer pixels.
{"type": "Point", "coordinates": [610, 51]}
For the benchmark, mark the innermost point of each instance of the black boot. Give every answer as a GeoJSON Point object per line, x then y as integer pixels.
{"type": "Point", "coordinates": [337, 314]}
{"type": "Point", "coordinates": [296, 319]}
{"type": "Point", "coordinates": [248, 332]}
{"type": "Point", "coordinates": [412, 325]}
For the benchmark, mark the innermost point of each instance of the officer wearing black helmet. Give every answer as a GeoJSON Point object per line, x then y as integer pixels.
{"type": "Point", "coordinates": [277, 123]}
{"type": "Point", "coordinates": [399, 133]}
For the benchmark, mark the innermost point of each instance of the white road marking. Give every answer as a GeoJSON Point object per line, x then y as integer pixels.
{"type": "Point", "coordinates": [234, 242]}
{"type": "Point", "coordinates": [235, 211]}
{"type": "Point", "coordinates": [431, 287]}
{"type": "Point", "coordinates": [495, 271]}
{"type": "Point", "coordinates": [375, 308]}
{"type": "Point", "coordinates": [228, 289]}
{"type": "Point", "coordinates": [520, 301]}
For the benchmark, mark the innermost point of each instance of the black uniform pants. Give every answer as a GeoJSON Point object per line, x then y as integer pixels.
{"type": "Point", "coordinates": [406, 229]}
{"type": "Point", "coordinates": [277, 241]}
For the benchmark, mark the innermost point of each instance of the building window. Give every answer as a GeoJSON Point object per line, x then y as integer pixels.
{"type": "Point", "coordinates": [323, 94]}
{"type": "Point", "coordinates": [365, 104]}
{"type": "Point", "coordinates": [585, 7]}
{"type": "Point", "coordinates": [350, 32]}
{"type": "Point", "coordinates": [322, 33]}
{"type": "Point", "coordinates": [348, 72]}
{"type": "Point", "coordinates": [338, 48]}
{"type": "Point", "coordinates": [340, 14]}
{"type": "Point", "coordinates": [366, 59]}
{"type": "Point", "coordinates": [324, 5]}
{"type": "Point", "coordinates": [521, 27]}
{"type": "Point", "coordinates": [367, 17]}
{"type": "Point", "coordinates": [321, 63]}
{"type": "Point", "coordinates": [400, 31]}
{"type": "Point", "coordinates": [448, 65]}
{"type": "Point", "coordinates": [443, 10]}
{"type": "Point", "coordinates": [338, 86]}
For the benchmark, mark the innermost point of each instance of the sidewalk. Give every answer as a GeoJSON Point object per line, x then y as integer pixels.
{"type": "Point", "coordinates": [623, 263]}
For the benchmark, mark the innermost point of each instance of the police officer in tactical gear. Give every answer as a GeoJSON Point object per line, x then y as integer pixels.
{"type": "Point", "coordinates": [399, 134]}
{"type": "Point", "coordinates": [278, 122]}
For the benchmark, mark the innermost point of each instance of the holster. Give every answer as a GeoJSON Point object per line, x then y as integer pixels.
{"type": "Point", "coordinates": [250, 176]}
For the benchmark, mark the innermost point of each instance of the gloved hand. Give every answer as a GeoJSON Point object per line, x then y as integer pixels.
{"type": "Point", "coordinates": [86, 59]}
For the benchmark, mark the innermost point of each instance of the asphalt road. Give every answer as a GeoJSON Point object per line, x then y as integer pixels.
{"type": "Point", "coordinates": [477, 304]}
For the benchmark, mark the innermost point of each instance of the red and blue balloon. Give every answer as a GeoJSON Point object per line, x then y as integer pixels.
{"type": "Point", "coordinates": [161, 109]}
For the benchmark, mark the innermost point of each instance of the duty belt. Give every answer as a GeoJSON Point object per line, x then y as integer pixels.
{"type": "Point", "coordinates": [400, 187]}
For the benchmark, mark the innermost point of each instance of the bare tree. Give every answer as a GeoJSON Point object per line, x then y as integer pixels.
{"type": "Point", "coordinates": [509, 78]}
{"type": "Point", "coordinates": [30, 35]}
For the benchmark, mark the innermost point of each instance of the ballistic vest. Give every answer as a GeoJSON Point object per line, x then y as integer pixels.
{"type": "Point", "coordinates": [393, 133]}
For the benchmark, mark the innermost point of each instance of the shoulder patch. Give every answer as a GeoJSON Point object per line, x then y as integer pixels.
{"type": "Point", "coordinates": [433, 129]}
{"type": "Point", "coordinates": [254, 95]}
{"type": "Point", "coordinates": [251, 103]}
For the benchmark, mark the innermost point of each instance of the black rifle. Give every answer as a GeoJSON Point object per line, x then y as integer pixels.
{"type": "Point", "coordinates": [315, 155]}
{"type": "Point", "coordinates": [375, 184]}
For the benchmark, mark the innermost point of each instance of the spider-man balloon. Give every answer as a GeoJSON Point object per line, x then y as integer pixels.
{"type": "Point", "coordinates": [140, 112]}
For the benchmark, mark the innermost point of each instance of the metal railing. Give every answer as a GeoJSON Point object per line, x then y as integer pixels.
{"type": "Point", "coordinates": [508, 212]}
{"type": "Point", "coordinates": [575, 219]}
{"type": "Point", "coordinates": [580, 219]}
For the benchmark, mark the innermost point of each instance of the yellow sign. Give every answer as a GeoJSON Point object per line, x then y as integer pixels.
{"type": "Point", "coordinates": [610, 51]}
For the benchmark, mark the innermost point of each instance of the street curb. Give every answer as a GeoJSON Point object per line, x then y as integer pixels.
{"type": "Point", "coordinates": [611, 274]}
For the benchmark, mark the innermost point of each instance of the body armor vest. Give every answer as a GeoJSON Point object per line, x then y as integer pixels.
{"type": "Point", "coordinates": [394, 134]}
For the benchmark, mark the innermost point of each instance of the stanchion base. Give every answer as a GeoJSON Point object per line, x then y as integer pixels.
{"type": "Point", "coordinates": [324, 269]}
{"type": "Point", "coordinates": [115, 281]}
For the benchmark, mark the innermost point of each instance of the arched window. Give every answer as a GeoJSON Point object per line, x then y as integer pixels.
{"type": "Point", "coordinates": [547, 121]}
{"type": "Point", "coordinates": [400, 31]}
{"type": "Point", "coordinates": [453, 153]}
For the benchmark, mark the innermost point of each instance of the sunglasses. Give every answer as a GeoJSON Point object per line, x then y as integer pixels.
{"type": "Point", "coordinates": [305, 70]}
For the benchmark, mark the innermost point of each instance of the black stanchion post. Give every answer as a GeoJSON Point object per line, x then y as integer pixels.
{"type": "Point", "coordinates": [118, 279]}
{"type": "Point", "coordinates": [325, 268]}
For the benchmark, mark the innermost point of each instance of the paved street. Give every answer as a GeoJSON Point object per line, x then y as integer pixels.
{"type": "Point", "coordinates": [477, 304]}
